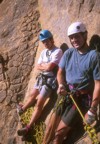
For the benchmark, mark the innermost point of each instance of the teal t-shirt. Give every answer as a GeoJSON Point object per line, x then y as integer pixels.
{"type": "Point", "coordinates": [80, 68]}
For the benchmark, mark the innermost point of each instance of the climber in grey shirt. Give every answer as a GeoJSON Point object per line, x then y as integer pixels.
{"type": "Point", "coordinates": [46, 80]}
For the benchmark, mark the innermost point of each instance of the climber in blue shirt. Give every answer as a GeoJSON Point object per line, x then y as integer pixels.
{"type": "Point", "coordinates": [79, 70]}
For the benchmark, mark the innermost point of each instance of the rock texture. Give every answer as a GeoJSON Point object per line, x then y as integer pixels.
{"type": "Point", "coordinates": [19, 28]}
{"type": "Point", "coordinates": [59, 14]}
{"type": "Point", "coordinates": [20, 23]}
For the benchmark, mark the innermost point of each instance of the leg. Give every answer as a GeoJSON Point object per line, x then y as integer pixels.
{"type": "Point", "coordinates": [53, 123]}
{"type": "Point", "coordinates": [31, 99]}
{"type": "Point", "coordinates": [44, 93]}
{"type": "Point", "coordinates": [50, 129]}
{"type": "Point", "coordinates": [68, 120]}
{"type": "Point", "coordinates": [38, 109]}
{"type": "Point", "coordinates": [35, 116]}
{"type": "Point", "coordinates": [61, 132]}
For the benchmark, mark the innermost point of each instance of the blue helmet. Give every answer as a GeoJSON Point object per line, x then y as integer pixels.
{"type": "Point", "coordinates": [45, 34]}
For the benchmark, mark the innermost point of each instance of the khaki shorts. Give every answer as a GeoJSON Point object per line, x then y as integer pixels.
{"type": "Point", "coordinates": [45, 91]}
{"type": "Point", "coordinates": [44, 85]}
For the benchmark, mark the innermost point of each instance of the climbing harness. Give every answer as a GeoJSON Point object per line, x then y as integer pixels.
{"type": "Point", "coordinates": [88, 128]}
{"type": "Point", "coordinates": [49, 81]}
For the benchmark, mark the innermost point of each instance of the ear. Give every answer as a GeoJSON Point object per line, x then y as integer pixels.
{"type": "Point", "coordinates": [52, 40]}
{"type": "Point", "coordinates": [85, 35]}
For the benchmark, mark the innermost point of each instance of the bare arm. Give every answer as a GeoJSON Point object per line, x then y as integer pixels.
{"type": "Point", "coordinates": [46, 66]}
{"type": "Point", "coordinates": [60, 77]}
{"type": "Point", "coordinates": [61, 82]}
{"type": "Point", "coordinates": [96, 94]}
{"type": "Point", "coordinates": [91, 114]}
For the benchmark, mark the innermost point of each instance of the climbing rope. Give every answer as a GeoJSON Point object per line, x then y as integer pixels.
{"type": "Point", "coordinates": [88, 128]}
{"type": "Point", "coordinates": [37, 131]}
{"type": "Point", "coordinates": [59, 104]}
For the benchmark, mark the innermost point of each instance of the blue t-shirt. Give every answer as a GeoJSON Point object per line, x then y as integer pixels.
{"type": "Point", "coordinates": [80, 68]}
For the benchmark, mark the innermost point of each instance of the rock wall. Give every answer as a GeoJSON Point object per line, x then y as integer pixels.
{"type": "Point", "coordinates": [20, 23]}
{"type": "Point", "coordinates": [57, 16]}
{"type": "Point", "coordinates": [19, 28]}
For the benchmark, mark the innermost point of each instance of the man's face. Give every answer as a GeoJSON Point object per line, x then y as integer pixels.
{"type": "Point", "coordinates": [77, 40]}
{"type": "Point", "coordinates": [48, 43]}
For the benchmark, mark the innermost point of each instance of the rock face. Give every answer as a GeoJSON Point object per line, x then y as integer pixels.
{"type": "Point", "coordinates": [59, 14]}
{"type": "Point", "coordinates": [19, 28]}
{"type": "Point", "coordinates": [20, 23]}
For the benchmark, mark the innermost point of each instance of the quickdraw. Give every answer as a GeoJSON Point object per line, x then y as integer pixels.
{"type": "Point", "coordinates": [89, 129]}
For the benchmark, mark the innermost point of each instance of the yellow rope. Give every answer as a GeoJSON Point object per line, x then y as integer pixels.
{"type": "Point", "coordinates": [78, 108]}
{"type": "Point", "coordinates": [90, 130]}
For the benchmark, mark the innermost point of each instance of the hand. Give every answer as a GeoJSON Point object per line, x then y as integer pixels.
{"type": "Point", "coordinates": [61, 90]}
{"type": "Point", "coordinates": [90, 117]}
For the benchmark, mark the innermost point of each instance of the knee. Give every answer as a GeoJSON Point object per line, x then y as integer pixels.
{"type": "Point", "coordinates": [61, 132]}
{"type": "Point", "coordinates": [39, 107]}
{"type": "Point", "coordinates": [60, 135]}
{"type": "Point", "coordinates": [31, 98]}
{"type": "Point", "coordinates": [34, 94]}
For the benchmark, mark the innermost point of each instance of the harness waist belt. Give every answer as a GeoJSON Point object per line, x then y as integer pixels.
{"type": "Point", "coordinates": [80, 91]}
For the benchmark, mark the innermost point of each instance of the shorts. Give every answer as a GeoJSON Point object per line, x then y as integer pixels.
{"type": "Point", "coordinates": [69, 113]}
{"type": "Point", "coordinates": [44, 91]}
{"type": "Point", "coordinates": [44, 84]}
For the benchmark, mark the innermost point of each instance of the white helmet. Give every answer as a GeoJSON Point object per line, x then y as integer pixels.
{"type": "Point", "coordinates": [76, 27]}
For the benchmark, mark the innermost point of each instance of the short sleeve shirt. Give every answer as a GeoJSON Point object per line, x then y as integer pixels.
{"type": "Point", "coordinates": [80, 68]}
{"type": "Point", "coordinates": [50, 56]}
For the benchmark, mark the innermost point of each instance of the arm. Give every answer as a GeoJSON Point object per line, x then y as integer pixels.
{"type": "Point", "coordinates": [60, 77]}
{"type": "Point", "coordinates": [46, 66]}
{"type": "Point", "coordinates": [61, 82]}
{"type": "Point", "coordinates": [96, 94]}
{"type": "Point", "coordinates": [91, 114]}
{"type": "Point", "coordinates": [49, 66]}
